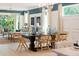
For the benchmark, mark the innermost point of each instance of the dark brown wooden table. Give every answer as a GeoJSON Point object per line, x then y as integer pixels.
{"type": "Point", "coordinates": [32, 39]}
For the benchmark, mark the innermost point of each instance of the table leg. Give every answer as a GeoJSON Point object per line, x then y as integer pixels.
{"type": "Point", "coordinates": [53, 41]}
{"type": "Point", "coordinates": [32, 45]}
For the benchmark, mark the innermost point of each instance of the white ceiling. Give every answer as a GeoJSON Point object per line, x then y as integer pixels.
{"type": "Point", "coordinates": [20, 6]}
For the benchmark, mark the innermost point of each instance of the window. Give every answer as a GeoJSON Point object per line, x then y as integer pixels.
{"type": "Point", "coordinates": [7, 21]}
{"type": "Point", "coordinates": [32, 20]}
{"type": "Point", "coordinates": [71, 10]}
{"type": "Point", "coordinates": [38, 20]}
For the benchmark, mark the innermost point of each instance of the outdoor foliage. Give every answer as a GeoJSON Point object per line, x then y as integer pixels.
{"type": "Point", "coordinates": [7, 22]}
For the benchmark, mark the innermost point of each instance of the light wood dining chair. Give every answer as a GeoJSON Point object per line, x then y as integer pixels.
{"type": "Point", "coordinates": [43, 42]}
{"type": "Point", "coordinates": [63, 36]}
{"type": "Point", "coordinates": [22, 43]}
{"type": "Point", "coordinates": [16, 36]}
{"type": "Point", "coordinates": [21, 40]}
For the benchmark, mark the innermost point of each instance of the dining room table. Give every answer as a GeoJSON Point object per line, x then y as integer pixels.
{"type": "Point", "coordinates": [32, 39]}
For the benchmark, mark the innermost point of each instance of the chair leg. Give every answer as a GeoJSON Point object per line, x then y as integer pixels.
{"type": "Point", "coordinates": [47, 46]}
{"type": "Point", "coordinates": [23, 46]}
{"type": "Point", "coordinates": [3, 35]}
{"type": "Point", "coordinates": [41, 46]}
{"type": "Point", "coordinates": [18, 46]}
{"type": "Point", "coordinates": [26, 45]}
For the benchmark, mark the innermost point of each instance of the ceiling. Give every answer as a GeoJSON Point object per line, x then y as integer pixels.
{"type": "Point", "coordinates": [20, 6]}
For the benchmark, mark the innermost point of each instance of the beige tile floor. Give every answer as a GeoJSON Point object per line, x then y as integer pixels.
{"type": "Point", "coordinates": [8, 48]}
